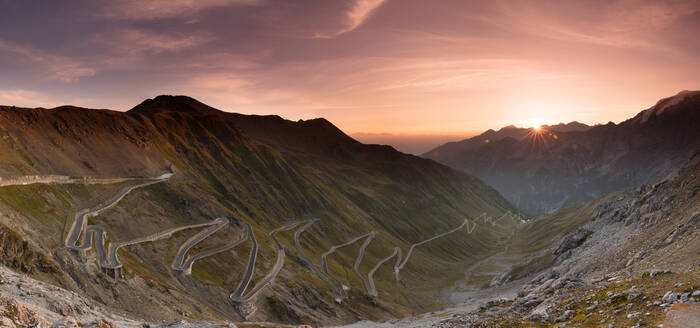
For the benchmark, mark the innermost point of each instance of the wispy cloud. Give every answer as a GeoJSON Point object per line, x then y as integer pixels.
{"type": "Point", "coordinates": [32, 98]}
{"type": "Point", "coordinates": [618, 24]}
{"type": "Point", "coordinates": [22, 98]}
{"type": "Point", "coordinates": [138, 41]}
{"type": "Point", "coordinates": [160, 9]}
{"type": "Point", "coordinates": [358, 14]}
{"type": "Point", "coordinates": [375, 65]}
{"type": "Point", "coordinates": [64, 69]}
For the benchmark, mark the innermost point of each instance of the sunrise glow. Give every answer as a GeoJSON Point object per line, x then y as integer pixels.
{"type": "Point", "coordinates": [412, 69]}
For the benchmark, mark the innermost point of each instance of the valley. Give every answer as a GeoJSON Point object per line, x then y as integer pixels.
{"type": "Point", "coordinates": [542, 171]}
{"type": "Point", "coordinates": [108, 260]}
{"type": "Point", "coordinates": [215, 238]}
{"type": "Point", "coordinates": [349, 164]}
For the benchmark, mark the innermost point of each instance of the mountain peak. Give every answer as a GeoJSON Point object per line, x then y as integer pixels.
{"type": "Point", "coordinates": [169, 103]}
{"type": "Point", "coordinates": [664, 104]}
{"type": "Point", "coordinates": [568, 127]}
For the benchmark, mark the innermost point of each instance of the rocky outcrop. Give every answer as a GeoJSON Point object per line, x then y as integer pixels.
{"type": "Point", "coordinates": [16, 253]}
{"type": "Point", "coordinates": [571, 241]}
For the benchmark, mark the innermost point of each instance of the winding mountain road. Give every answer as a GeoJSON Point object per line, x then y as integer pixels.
{"type": "Point", "coordinates": [361, 255]}
{"type": "Point", "coordinates": [309, 264]}
{"type": "Point", "coordinates": [324, 262]}
{"type": "Point", "coordinates": [185, 265]}
{"type": "Point", "coordinates": [251, 264]}
{"type": "Point", "coordinates": [369, 281]}
{"type": "Point", "coordinates": [113, 259]}
{"type": "Point", "coordinates": [410, 250]}
{"type": "Point", "coordinates": [108, 258]}
{"type": "Point", "coordinates": [270, 277]}
{"type": "Point", "coordinates": [485, 218]}
{"type": "Point", "coordinates": [372, 288]}
{"type": "Point", "coordinates": [80, 223]}
{"type": "Point", "coordinates": [58, 179]}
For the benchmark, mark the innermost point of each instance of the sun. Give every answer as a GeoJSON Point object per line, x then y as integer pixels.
{"type": "Point", "coordinates": [536, 124]}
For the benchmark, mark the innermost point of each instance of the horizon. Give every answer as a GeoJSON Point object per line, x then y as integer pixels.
{"type": "Point", "coordinates": [349, 163]}
{"type": "Point", "coordinates": [410, 143]}
{"type": "Point", "coordinates": [375, 68]}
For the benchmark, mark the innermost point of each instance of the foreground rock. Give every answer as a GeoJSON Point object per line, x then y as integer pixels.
{"type": "Point", "coordinates": [25, 302]}
{"type": "Point", "coordinates": [683, 315]}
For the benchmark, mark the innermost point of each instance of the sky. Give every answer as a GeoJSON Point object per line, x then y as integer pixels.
{"type": "Point", "coordinates": [378, 69]}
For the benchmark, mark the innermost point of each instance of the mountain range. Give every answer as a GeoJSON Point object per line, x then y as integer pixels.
{"type": "Point", "coordinates": [541, 171]}
{"type": "Point", "coordinates": [193, 163]}
{"type": "Point", "coordinates": [177, 210]}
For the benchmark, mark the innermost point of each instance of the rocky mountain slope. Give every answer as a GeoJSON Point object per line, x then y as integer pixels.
{"type": "Point", "coordinates": [542, 171]}
{"type": "Point", "coordinates": [259, 174]}
{"type": "Point", "coordinates": [621, 260]}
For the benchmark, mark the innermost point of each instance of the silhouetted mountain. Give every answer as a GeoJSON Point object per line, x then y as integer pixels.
{"type": "Point", "coordinates": [567, 127]}
{"type": "Point", "coordinates": [167, 103]}
{"type": "Point", "coordinates": [544, 171]}
{"type": "Point", "coordinates": [448, 151]}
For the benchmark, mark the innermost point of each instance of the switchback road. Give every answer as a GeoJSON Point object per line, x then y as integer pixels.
{"type": "Point", "coordinates": [361, 255]}
{"type": "Point", "coordinates": [270, 277]}
{"type": "Point", "coordinates": [324, 262]}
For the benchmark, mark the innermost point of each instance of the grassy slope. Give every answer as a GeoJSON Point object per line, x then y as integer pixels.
{"type": "Point", "coordinates": [222, 172]}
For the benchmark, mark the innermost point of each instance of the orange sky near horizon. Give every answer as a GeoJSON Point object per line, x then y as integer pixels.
{"type": "Point", "coordinates": [409, 68]}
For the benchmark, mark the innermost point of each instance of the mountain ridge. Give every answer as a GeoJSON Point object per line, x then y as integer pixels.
{"type": "Point", "coordinates": [561, 168]}
{"type": "Point", "coordinates": [229, 165]}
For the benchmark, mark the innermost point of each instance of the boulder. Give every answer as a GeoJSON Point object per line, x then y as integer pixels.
{"type": "Point", "coordinates": [657, 272]}
{"type": "Point", "coordinates": [565, 316]}
{"type": "Point", "coordinates": [669, 297]}
{"type": "Point", "coordinates": [572, 241]}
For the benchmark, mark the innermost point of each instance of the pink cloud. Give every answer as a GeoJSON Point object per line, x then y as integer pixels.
{"type": "Point", "coordinates": [137, 41]}
{"type": "Point", "coordinates": [159, 9]}
{"type": "Point", "coordinates": [358, 14]}
{"type": "Point", "coordinates": [64, 69]}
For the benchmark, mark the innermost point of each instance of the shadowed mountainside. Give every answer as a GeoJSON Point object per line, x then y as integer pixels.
{"type": "Point", "coordinates": [542, 171]}
{"type": "Point", "coordinates": [261, 170]}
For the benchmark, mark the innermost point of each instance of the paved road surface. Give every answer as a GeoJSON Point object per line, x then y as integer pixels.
{"type": "Point", "coordinates": [113, 259]}
{"type": "Point", "coordinates": [372, 289]}
{"type": "Point", "coordinates": [251, 264]}
{"type": "Point", "coordinates": [58, 179]}
{"type": "Point", "coordinates": [361, 255]}
{"type": "Point", "coordinates": [309, 264]}
{"type": "Point", "coordinates": [270, 277]}
{"type": "Point", "coordinates": [410, 250]}
{"type": "Point", "coordinates": [485, 218]}
{"type": "Point", "coordinates": [180, 264]}
{"type": "Point", "coordinates": [191, 259]}
{"type": "Point", "coordinates": [108, 258]}
{"type": "Point", "coordinates": [80, 223]}
{"type": "Point", "coordinates": [324, 263]}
